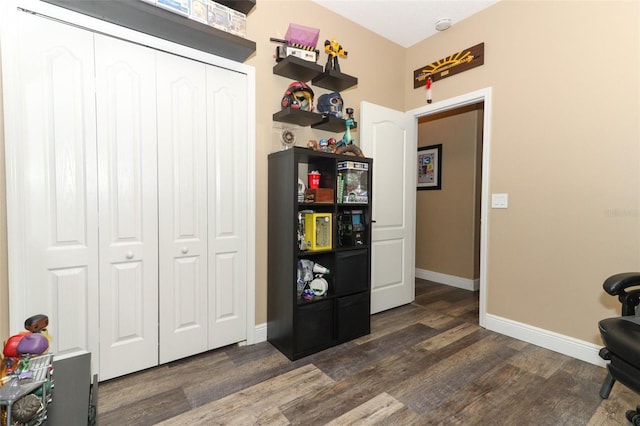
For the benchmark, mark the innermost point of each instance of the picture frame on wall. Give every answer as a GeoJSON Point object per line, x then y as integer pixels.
{"type": "Point", "coordinates": [429, 167]}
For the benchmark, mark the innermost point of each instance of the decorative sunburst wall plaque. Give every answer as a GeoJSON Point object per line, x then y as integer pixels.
{"type": "Point", "coordinates": [451, 65]}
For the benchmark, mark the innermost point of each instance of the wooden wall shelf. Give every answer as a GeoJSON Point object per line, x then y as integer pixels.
{"type": "Point", "coordinates": [297, 69]}
{"type": "Point", "coordinates": [334, 80]}
{"type": "Point", "coordinates": [146, 18]}
{"type": "Point", "coordinates": [244, 6]}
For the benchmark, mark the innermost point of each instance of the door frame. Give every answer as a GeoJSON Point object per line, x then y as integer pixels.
{"type": "Point", "coordinates": [482, 95]}
{"type": "Point", "coordinates": [8, 33]}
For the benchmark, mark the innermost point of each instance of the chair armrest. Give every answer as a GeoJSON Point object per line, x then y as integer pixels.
{"type": "Point", "coordinates": [615, 284]}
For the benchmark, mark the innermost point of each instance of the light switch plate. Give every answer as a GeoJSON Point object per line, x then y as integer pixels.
{"type": "Point", "coordinates": [499, 201]}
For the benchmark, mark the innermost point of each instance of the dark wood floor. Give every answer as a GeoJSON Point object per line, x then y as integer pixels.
{"type": "Point", "coordinates": [426, 363]}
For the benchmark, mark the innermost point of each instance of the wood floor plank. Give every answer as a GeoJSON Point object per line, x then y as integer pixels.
{"type": "Point", "coordinates": [539, 361]}
{"type": "Point", "coordinates": [219, 384]}
{"type": "Point", "coordinates": [423, 392]}
{"type": "Point", "coordinates": [117, 392]}
{"type": "Point", "coordinates": [148, 411]}
{"type": "Point", "coordinates": [392, 321]}
{"type": "Point", "coordinates": [350, 362]}
{"type": "Point", "coordinates": [487, 394]}
{"type": "Point", "coordinates": [449, 336]}
{"type": "Point", "coordinates": [611, 411]}
{"type": "Point", "coordinates": [375, 411]}
{"type": "Point", "coordinates": [255, 404]}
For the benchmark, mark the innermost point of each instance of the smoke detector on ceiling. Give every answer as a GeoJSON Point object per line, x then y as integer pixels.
{"type": "Point", "coordinates": [443, 24]}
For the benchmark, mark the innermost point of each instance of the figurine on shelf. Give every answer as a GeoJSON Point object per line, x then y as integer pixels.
{"type": "Point", "coordinates": [346, 144]}
{"type": "Point", "coordinates": [298, 96]}
{"type": "Point", "coordinates": [313, 144]}
{"type": "Point", "coordinates": [334, 50]}
{"type": "Point", "coordinates": [331, 104]}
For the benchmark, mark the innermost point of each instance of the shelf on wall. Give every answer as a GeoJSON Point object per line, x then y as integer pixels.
{"type": "Point", "coordinates": [297, 69]}
{"type": "Point", "coordinates": [297, 116]}
{"type": "Point", "coordinates": [155, 21]}
{"type": "Point", "coordinates": [244, 6]}
{"type": "Point", "coordinates": [333, 124]}
{"type": "Point", "coordinates": [306, 118]}
{"type": "Point", "coordinates": [334, 80]}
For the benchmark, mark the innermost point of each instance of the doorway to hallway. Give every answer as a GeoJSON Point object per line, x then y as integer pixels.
{"type": "Point", "coordinates": [483, 96]}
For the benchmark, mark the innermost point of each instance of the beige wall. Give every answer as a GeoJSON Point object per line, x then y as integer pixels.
{"type": "Point", "coordinates": [447, 220]}
{"type": "Point", "coordinates": [565, 146]}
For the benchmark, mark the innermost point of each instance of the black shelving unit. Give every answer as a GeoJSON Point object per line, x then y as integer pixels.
{"type": "Point", "coordinates": [149, 19]}
{"type": "Point", "coordinates": [300, 327]}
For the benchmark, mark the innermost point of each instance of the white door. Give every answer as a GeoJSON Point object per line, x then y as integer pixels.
{"type": "Point", "coordinates": [386, 136]}
{"type": "Point", "coordinates": [127, 185]}
{"type": "Point", "coordinates": [182, 201]}
{"type": "Point", "coordinates": [227, 123]}
{"type": "Point", "coordinates": [51, 183]}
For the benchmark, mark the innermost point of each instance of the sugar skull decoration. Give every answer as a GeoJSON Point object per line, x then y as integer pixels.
{"type": "Point", "coordinates": [331, 104]}
{"type": "Point", "coordinates": [298, 96]}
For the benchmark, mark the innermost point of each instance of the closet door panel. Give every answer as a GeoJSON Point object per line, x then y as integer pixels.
{"type": "Point", "coordinates": [53, 245]}
{"type": "Point", "coordinates": [227, 142]}
{"type": "Point", "coordinates": [182, 192]}
{"type": "Point", "coordinates": [127, 182]}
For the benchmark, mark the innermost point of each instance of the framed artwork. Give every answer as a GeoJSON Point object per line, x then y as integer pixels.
{"type": "Point", "coordinates": [430, 167]}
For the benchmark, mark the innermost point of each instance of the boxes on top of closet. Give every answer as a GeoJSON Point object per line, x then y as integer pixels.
{"type": "Point", "coordinates": [130, 194]}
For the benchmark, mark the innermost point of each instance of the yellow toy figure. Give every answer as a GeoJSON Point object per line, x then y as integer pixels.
{"type": "Point", "coordinates": [334, 50]}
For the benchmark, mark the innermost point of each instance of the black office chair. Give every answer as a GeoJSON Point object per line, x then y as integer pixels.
{"type": "Point", "coordinates": [621, 337]}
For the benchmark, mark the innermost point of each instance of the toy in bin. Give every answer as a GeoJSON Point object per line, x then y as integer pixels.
{"type": "Point", "coordinates": [21, 347]}
{"type": "Point", "coordinates": [311, 281]}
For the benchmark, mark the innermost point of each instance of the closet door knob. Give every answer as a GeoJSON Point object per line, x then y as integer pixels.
{"type": "Point", "coordinates": [129, 255]}
{"type": "Point", "coordinates": [185, 250]}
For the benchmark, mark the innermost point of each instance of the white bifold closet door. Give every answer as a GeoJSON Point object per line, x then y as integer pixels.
{"type": "Point", "coordinates": [227, 193]}
{"type": "Point", "coordinates": [51, 184]}
{"type": "Point", "coordinates": [128, 206]}
{"type": "Point", "coordinates": [127, 191]}
{"type": "Point", "coordinates": [182, 196]}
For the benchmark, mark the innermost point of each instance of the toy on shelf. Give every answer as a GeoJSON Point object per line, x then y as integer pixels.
{"type": "Point", "coordinates": [299, 41]}
{"type": "Point", "coordinates": [331, 104]}
{"type": "Point", "coordinates": [346, 144]}
{"type": "Point", "coordinates": [334, 50]}
{"type": "Point", "coordinates": [298, 96]}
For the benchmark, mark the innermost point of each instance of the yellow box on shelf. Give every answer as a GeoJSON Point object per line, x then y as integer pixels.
{"type": "Point", "coordinates": [317, 231]}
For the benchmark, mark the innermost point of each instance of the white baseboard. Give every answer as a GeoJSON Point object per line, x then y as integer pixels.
{"type": "Point", "coordinates": [260, 333]}
{"type": "Point", "coordinates": [556, 342]}
{"type": "Point", "coordinates": [459, 282]}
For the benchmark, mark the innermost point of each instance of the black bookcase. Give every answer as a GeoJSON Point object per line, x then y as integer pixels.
{"type": "Point", "coordinates": [297, 326]}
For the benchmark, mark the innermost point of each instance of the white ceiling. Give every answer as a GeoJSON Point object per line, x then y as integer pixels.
{"type": "Point", "coordinates": [405, 22]}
